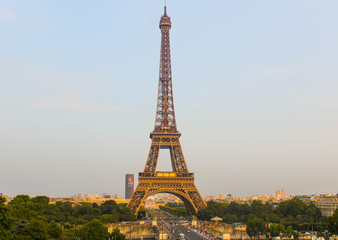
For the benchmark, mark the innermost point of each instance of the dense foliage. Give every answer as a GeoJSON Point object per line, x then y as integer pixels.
{"type": "Point", "coordinates": [26, 218]}
{"type": "Point", "coordinates": [5, 221]}
{"type": "Point", "coordinates": [257, 227]}
{"type": "Point", "coordinates": [176, 209]}
{"type": "Point", "coordinates": [295, 213]}
{"type": "Point", "coordinates": [333, 222]}
{"type": "Point", "coordinates": [292, 214]}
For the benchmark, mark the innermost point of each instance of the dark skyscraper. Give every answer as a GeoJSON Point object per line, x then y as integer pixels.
{"type": "Point", "coordinates": [129, 186]}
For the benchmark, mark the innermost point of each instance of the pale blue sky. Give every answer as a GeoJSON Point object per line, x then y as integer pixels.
{"type": "Point", "coordinates": [255, 88]}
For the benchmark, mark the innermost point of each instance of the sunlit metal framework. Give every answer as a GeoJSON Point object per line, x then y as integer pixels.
{"type": "Point", "coordinates": [179, 182]}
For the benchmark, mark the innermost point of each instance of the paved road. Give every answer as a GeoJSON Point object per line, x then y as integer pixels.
{"type": "Point", "coordinates": [175, 226]}
{"type": "Point", "coordinates": [188, 234]}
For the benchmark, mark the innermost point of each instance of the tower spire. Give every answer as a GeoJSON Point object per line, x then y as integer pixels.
{"type": "Point", "coordinates": [165, 113]}
{"type": "Point", "coordinates": [165, 7]}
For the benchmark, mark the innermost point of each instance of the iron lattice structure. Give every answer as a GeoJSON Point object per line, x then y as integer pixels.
{"type": "Point", "coordinates": [179, 182]}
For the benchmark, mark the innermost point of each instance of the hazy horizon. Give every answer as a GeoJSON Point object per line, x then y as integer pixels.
{"type": "Point", "coordinates": [255, 92]}
{"type": "Point", "coordinates": [122, 195]}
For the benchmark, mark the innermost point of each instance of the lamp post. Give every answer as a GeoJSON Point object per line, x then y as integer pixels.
{"type": "Point", "coordinates": [162, 229]}
{"type": "Point", "coordinates": [130, 230]}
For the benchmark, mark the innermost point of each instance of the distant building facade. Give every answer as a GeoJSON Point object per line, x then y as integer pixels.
{"type": "Point", "coordinates": [280, 194]}
{"type": "Point", "coordinates": [327, 204]}
{"type": "Point", "coordinates": [129, 190]}
{"type": "Point", "coordinates": [150, 203]}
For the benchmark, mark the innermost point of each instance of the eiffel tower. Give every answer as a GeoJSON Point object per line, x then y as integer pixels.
{"type": "Point", "coordinates": [179, 181]}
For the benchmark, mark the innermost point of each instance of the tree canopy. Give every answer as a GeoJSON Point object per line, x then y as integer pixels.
{"type": "Point", "coordinates": [26, 218]}
{"type": "Point", "coordinates": [295, 213]}
{"type": "Point", "coordinates": [333, 223]}
{"type": "Point", "coordinates": [93, 230]}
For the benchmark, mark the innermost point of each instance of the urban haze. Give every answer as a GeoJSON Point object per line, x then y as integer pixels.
{"type": "Point", "coordinates": [255, 91]}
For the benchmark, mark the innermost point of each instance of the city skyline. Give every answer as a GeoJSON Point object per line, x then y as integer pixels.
{"type": "Point", "coordinates": [254, 84]}
{"type": "Point", "coordinates": [93, 195]}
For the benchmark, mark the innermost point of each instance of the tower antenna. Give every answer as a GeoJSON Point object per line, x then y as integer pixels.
{"type": "Point", "coordinates": [165, 7]}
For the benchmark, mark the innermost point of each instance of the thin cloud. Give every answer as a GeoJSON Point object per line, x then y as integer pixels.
{"type": "Point", "coordinates": [65, 105]}
{"type": "Point", "coordinates": [6, 14]}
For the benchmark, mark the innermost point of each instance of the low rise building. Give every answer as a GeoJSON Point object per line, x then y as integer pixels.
{"type": "Point", "coordinates": [327, 204]}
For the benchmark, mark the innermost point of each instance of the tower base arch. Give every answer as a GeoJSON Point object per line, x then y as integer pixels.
{"type": "Point", "coordinates": [182, 187]}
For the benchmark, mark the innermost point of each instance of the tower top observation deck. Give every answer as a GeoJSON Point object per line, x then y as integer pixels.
{"type": "Point", "coordinates": [165, 19]}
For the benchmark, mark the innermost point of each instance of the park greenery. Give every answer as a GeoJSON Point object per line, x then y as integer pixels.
{"type": "Point", "coordinates": [333, 223]}
{"type": "Point", "coordinates": [288, 218]}
{"type": "Point", "coordinates": [25, 218]}
{"type": "Point", "coordinates": [294, 213]}
{"type": "Point", "coordinates": [176, 209]}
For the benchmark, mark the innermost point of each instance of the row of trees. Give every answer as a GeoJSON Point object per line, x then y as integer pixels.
{"type": "Point", "coordinates": [34, 218]}
{"type": "Point", "coordinates": [281, 220]}
{"type": "Point", "coordinates": [257, 227]}
{"type": "Point", "coordinates": [295, 213]}
{"type": "Point", "coordinates": [176, 209]}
